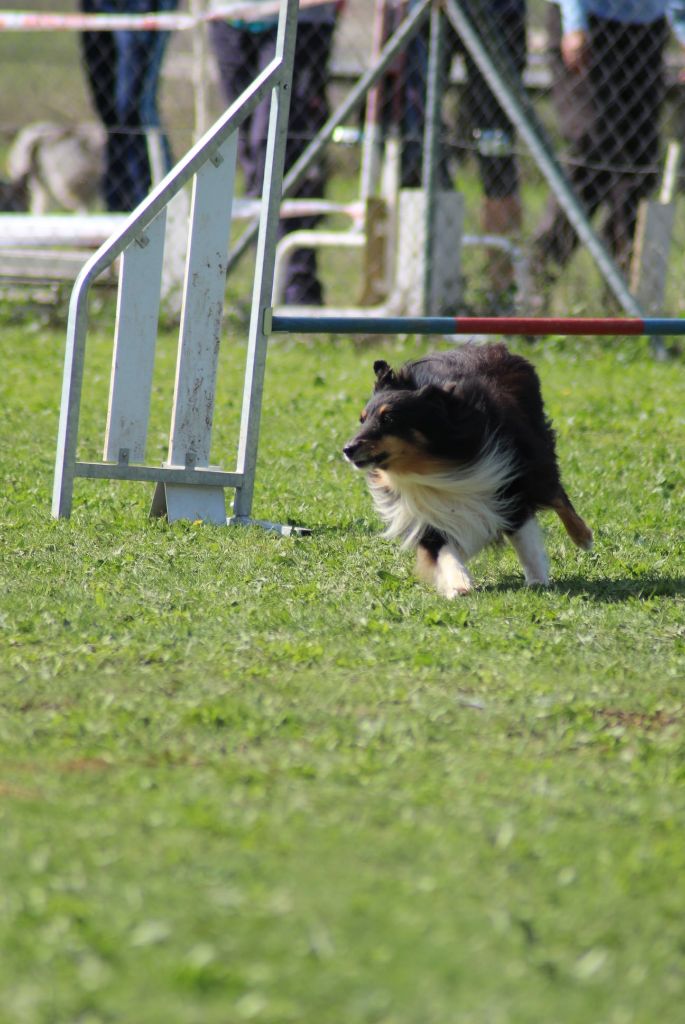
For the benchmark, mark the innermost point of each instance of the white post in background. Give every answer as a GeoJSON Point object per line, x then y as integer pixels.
{"type": "Point", "coordinates": [653, 237]}
{"type": "Point", "coordinates": [198, 9]}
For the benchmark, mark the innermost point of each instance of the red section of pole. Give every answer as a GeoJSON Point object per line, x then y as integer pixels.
{"type": "Point", "coordinates": [548, 325]}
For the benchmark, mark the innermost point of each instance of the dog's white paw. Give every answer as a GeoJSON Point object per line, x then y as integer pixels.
{"type": "Point", "coordinates": [451, 578]}
{"type": "Point", "coordinates": [453, 592]}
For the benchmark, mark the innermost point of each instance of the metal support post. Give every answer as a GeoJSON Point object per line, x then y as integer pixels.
{"type": "Point", "coordinates": [431, 145]}
{"type": "Point", "coordinates": [264, 271]}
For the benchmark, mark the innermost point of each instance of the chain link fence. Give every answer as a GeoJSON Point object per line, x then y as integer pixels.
{"type": "Point", "coordinates": [90, 118]}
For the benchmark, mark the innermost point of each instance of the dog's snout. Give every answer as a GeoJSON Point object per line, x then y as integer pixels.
{"type": "Point", "coordinates": [350, 448]}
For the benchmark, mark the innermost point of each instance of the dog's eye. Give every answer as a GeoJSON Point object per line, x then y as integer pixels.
{"type": "Point", "coordinates": [362, 418]}
{"type": "Point", "coordinates": [384, 415]}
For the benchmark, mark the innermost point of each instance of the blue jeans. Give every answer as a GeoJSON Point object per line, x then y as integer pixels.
{"type": "Point", "coordinates": [123, 71]}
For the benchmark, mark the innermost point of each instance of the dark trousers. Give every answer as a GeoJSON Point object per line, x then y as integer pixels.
{"type": "Point", "coordinates": [610, 117]}
{"type": "Point", "coordinates": [503, 29]}
{"type": "Point", "coordinates": [123, 74]}
{"type": "Point", "coordinates": [241, 55]}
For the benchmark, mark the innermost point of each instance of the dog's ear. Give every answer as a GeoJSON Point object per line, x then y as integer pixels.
{"type": "Point", "coordinates": [385, 376]}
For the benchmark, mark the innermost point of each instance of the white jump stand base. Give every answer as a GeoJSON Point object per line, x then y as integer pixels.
{"type": "Point", "coordinates": [188, 501]}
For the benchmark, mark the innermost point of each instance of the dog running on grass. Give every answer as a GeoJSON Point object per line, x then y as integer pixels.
{"type": "Point", "coordinates": [458, 452]}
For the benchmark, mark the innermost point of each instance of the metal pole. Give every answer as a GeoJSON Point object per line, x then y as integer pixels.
{"type": "Point", "coordinates": [200, 63]}
{"type": "Point", "coordinates": [372, 140]}
{"type": "Point", "coordinates": [431, 143]}
{"type": "Point", "coordinates": [72, 385]}
{"type": "Point", "coordinates": [264, 268]}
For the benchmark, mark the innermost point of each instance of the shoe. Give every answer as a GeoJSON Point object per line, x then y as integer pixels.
{"type": "Point", "coordinates": [304, 293]}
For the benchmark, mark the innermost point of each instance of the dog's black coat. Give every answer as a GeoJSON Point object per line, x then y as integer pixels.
{"type": "Point", "coordinates": [447, 411]}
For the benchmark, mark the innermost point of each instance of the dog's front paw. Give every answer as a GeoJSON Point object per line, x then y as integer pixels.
{"type": "Point", "coordinates": [453, 592]}
{"type": "Point", "coordinates": [451, 577]}
{"type": "Point", "coordinates": [453, 584]}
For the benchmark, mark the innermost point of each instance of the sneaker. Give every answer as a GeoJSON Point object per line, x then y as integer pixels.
{"type": "Point", "coordinates": [304, 293]}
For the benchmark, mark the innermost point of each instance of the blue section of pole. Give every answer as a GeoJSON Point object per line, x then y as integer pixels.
{"type": "Point", "coordinates": [363, 325]}
{"type": "Point", "coordinates": [664, 325]}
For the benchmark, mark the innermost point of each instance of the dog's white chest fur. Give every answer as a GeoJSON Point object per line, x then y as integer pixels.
{"type": "Point", "coordinates": [464, 504]}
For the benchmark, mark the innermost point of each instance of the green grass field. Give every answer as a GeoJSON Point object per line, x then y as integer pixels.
{"type": "Point", "coordinates": [252, 778]}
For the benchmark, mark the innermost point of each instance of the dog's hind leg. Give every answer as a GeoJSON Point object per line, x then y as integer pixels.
{"type": "Point", "coordinates": [441, 564]}
{"type": "Point", "coordinates": [530, 548]}
{"type": "Point", "coordinates": [575, 526]}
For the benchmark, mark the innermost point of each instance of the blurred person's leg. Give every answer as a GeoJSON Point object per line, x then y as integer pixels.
{"type": "Point", "coordinates": [309, 111]}
{"type": "Point", "coordinates": [100, 64]}
{"type": "Point", "coordinates": [236, 51]}
{"type": "Point", "coordinates": [613, 156]}
{"type": "Point", "coordinates": [495, 141]}
{"type": "Point", "coordinates": [577, 105]}
{"type": "Point", "coordinates": [632, 101]}
{"type": "Point", "coordinates": [134, 55]}
{"type": "Point", "coordinates": [241, 55]}
{"type": "Point", "coordinates": [409, 109]}
{"type": "Point", "coordinates": [150, 116]}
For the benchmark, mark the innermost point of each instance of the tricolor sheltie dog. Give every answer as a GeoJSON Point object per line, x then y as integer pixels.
{"type": "Point", "coordinates": [458, 452]}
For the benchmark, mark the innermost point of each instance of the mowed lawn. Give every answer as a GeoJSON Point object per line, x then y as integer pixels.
{"type": "Point", "coordinates": [254, 778]}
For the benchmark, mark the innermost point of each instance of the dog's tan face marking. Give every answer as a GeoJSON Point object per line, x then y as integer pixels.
{"type": "Point", "coordinates": [408, 455]}
{"type": "Point", "coordinates": [363, 415]}
{"type": "Point", "coordinates": [401, 454]}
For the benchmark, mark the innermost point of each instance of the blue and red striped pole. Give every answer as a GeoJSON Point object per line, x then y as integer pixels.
{"type": "Point", "coordinates": [504, 325]}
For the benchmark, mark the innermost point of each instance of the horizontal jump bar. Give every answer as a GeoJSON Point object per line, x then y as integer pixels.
{"type": "Point", "coordinates": [158, 474]}
{"type": "Point", "coordinates": [476, 325]}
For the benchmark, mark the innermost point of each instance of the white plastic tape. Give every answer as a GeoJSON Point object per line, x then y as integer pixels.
{"type": "Point", "coordinates": [34, 21]}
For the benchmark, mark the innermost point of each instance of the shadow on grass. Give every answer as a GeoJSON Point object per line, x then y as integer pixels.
{"type": "Point", "coordinates": [607, 591]}
{"type": "Point", "coordinates": [355, 527]}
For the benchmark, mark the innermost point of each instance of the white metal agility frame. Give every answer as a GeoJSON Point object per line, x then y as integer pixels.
{"type": "Point", "coordinates": [187, 486]}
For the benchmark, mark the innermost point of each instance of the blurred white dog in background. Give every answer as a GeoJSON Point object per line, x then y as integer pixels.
{"type": "Point", "coordinates": [58, 167]}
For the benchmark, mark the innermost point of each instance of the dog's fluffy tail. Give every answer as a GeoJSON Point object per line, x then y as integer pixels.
{"type": "Point", "coordinates": [22, 154]}
{"type": "Point", "coordinates": [575, 526]}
